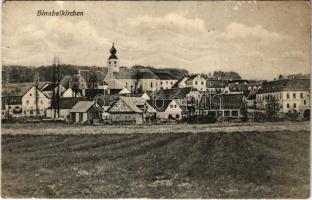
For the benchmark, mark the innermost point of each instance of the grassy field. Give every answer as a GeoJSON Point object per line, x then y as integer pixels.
{"type": "Point", "coordinates": [228, 162]}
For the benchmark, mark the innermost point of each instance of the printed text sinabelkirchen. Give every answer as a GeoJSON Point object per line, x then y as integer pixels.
{"type": "Point", "coordinates": [59, 13]}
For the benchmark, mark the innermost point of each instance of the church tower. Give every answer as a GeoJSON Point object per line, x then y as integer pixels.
{"type": "Point", "coordinates": [113, 61]}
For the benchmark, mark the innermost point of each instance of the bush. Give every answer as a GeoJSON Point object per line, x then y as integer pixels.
{"type": "Point", "coordinates": [292, 115]}
{"type": "Point", "coordinates": [201, 119]}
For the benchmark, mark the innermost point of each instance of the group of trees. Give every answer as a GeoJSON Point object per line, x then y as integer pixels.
{"type": "Point", "coordinates": [271, 112]}
{"type": "Point", "coordinates": [226, 75]}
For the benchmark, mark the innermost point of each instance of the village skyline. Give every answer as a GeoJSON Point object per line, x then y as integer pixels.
{"type": "Point", "coordinates": [196, 40]}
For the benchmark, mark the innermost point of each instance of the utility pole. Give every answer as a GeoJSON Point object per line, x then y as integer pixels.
{"type": "Point", "coordinates": [58, 88]}
{"type": "Point", "coordinates": [53, 91]}
{"type": "Point", "coordinates": [36, 93]}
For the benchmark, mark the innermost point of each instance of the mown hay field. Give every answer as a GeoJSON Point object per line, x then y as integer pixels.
{"type": "Point", "coordinates": [268, 163]}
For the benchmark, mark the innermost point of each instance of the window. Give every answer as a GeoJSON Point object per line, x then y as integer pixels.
{"type": "Point", "coordinates": [171, 106]}
{"type": "Point", "coordinates": [30, 94]}
{"type": "Point", "coordinates": [287, 95]}
{"type": "Point", "coordinates": [151, 84]}
{"type": "Point", "coordinates": [9, 107]}
{"type": "Point", "coordinates": [294, 95]}
{"type": "Point", "coordinates": [202, 82]}
{"type": "Point", "coordinates": [41, 102]}
{"type": "Point", "coordinates": [109, 62]}
{"type": "Point", "coordinates": [288, 105]}
{"type": "Point", "coordinates": [166, 82]}
{"type": "Point", "coordinates": [171, 83]}
{"type": "Point", "coordinates": [31, 112]}
{"type": "Point", "coordinates": [177, 116]}
{"type": "Point", "coordinates": [295, 105]}
{"type": "Point", "coordinates": [234, 113]}
{"type": "Point", "coordinates": [160, 82]}
{"type": "Point", "coordinates": [195, 82]}
{"type": "Point", "coordinates": [115, 62]}
{"type": "Point", "coordinates": [301, 95]}
{"type": "Point", "coordinates": [24, 112]}
{"type": "Point", "coordinates": [226, 113]}
{"type": "Point", "coordinates": [304, 102]}
{"type": "Point", "coordinates": [175, 106]}
{"type": "Point", "coordinates": [27, 102]}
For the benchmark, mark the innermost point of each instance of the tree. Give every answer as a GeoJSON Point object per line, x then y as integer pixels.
{"type": "Point", "coordinates": [244, 111]}
{"type": "Point", "coordinates": [272, 107]}
{"type": "Point", "coordinates": [226, 75]}
{"type": "Point", "coordinates": [93, 79]}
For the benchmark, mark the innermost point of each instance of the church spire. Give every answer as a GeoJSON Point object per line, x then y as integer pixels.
{"type": "Point", "coordinates": [113, 52]}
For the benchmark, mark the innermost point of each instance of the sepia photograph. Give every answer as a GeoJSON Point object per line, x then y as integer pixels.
{"type": "Point", "coordinates": [156, 99]}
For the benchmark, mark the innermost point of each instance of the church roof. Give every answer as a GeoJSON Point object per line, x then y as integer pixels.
{"type": "Point", "coordinates": [164, 76]}
{"type": "Point", "coordinates": [113, 52]}
{"type": "Point", "coordinates": [145, 74]}
{"type": "Point", "coordinates": [126, 73]}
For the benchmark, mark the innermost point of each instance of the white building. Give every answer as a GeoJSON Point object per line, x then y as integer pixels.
{"type": "Point", "coordinates": [291, 94]}
{"type": "Point", "coordinates": [197, 81]}
{"type": "Point", "coordinates": [35, 100]}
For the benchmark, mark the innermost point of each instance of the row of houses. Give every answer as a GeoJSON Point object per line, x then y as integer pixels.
{"type": "Point", "coordinates": [165, 105]}
{"type": "Point", "coordinates": [153, 95]}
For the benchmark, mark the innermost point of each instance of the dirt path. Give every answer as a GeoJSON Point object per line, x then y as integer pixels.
{"type": "Point", "coordinates": [65, 129]}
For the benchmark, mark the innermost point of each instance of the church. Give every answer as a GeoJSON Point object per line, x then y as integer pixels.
{"type": "Point", "coordinates": [134, 80]}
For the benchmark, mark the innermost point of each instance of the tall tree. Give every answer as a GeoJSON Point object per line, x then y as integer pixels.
{"type": "Point", "coordinates": [272, 107]}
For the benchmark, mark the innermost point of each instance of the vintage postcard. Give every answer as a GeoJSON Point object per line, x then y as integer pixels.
{"type": "Point", "coordinates": [155, 99]}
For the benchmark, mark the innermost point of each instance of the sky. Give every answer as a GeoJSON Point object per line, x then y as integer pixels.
{"type": "Point", "coordinates": [259, 40]}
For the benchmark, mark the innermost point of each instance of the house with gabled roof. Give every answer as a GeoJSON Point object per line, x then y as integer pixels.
{"type": "Point", "coordinates": [225, 105]}
{"type": "Point", "coordinates": [64, 107]}
{"type": "Point", "coordinates": [83, 112]}
{"type": "Point", "coordinates": [131, 110]}
{"type": "Point", "coordinates": [216, 86]}
{"type": "Point", "coordinates": [168, 109]}
{"type": "Point", "coordinates": [197, 81]}
{"type": "Point", "coordinates": [183, 96]}
{"type": "Point", "coordinates": [291, 94]}
{"type": "Point", "coordinates": [35, 102]}
{"type": "Point", "coordinates": [165, 80]}
{"type": "Point", "coordinates": [49, 87]}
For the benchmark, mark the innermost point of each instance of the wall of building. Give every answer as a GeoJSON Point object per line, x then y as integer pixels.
{"type": "Point", "coordinates": [295, 100]}
{"type": "Point", "coordinates": [289, 100]}
{"type": "Point", "coordinates": [29, 103]}
{"type": "Point", "coordinates": [136, 118]}
{"type": "Point", "coordinates": [173, 109]}
{"type": "Point", "coordinates": [198, 83]}
{"type": "Point", "coordinates": [166, 84]}
{"type": "Point", "coordinates": [148, 84]}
